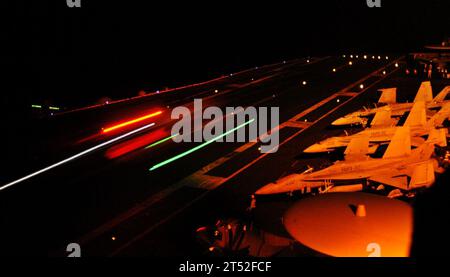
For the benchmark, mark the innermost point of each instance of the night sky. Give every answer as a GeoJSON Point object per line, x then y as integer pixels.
{"type": "Point", "coordinates": [72, 57]}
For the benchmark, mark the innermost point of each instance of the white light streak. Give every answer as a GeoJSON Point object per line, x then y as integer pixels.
{"type": "Point", "coordinates": [85, 152]}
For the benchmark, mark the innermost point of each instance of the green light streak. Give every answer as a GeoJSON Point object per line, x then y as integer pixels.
{"type": "Point", "coordinates": [53, 108]}
{"type": "Point", "coordinates": [36, 106]}
{"type": "Point", "coordinates": [199, 146]}
{"type": "Point", "coordinates": [160, 141]}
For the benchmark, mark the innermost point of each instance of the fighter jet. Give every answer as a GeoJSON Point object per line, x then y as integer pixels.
{"type": "Point", "coordinates": [397, 109]}
{"type": "Point", "coordinates": [378, 133]}
{"type": "Point", "coordinates": [400, 167]}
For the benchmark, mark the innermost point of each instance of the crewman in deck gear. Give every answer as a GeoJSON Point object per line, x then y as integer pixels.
{"type": "Point", "coordinates": [252, 203]}
{"type": "Point", "coordinates": [251, 211]}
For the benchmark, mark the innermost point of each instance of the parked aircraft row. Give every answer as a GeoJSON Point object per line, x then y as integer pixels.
{"type": "Point", "coordinates": [408, 164]}
{"type": "Point", "coordinates": [389, 97]}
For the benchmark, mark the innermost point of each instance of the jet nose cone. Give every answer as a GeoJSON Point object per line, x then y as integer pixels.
{"type": "Point", "coordinates": [267, 189]}
{"type": "Point", "coordinates": [315, 148]}
{"type": "Point", "coordinates": [347, 121]}
{"type": "Point", "coordinates": [339, 122]}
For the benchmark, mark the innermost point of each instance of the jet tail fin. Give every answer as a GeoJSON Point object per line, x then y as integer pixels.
{"type": "Point", "coordinates": [417, 116]}
{"type": "Point", "coordinates": [441, 95]}
{"type": "Point", "coordinates": [426, 149]}
{"type": "Point", "coordinates": [358, 148]}
{"type": "Point", "coordinates": [422, 176]}
{"type": "Point", "coordinates": [388, 95]}
{"type": "Point", "coordinates": [437, 136]}
{"type": "Point", "coordinates": [382, 118]}
{"type": "Point", "coordinates": [438, 118]}
{"type": "Point", "coordinates": [424, 93]}
{"type": "Point", "coordinates": [400, 144]}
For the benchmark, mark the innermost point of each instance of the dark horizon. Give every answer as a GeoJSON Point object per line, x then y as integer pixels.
{"type": "Point", "coordinates": [73, 57]}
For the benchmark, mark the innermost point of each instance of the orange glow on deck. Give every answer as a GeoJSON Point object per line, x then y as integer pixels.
{"type": "Point", "coordinates": [130, 122]}
{"type": "Point", "coordinates": [352, 224]}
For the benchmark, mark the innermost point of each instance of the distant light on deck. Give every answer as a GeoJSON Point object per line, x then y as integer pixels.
{"type": "Point", "coordinates": [350, 63]}
{"type": "Point", "coordinates": [216, 91]}
{"type": "Point", "coordinates": [334, 69]}
{"type": "Point", "coordinates": [384, 72]}
{"type": "Point", "coordinates": [351, 56]}
{"type": "Point", "coordinates": [396, 64]}
{"type": "Point", "coordinates": [304, 83]}
{"type": "Point", "coordinates": [361, 86]}
{"type": "Point", "coordinates": [365, 56]}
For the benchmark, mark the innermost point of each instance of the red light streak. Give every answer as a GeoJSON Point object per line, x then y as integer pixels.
{"type": "Point", "coordinates": [127, 123]}
{"type": "Point", "coordinates": [133, 144]}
